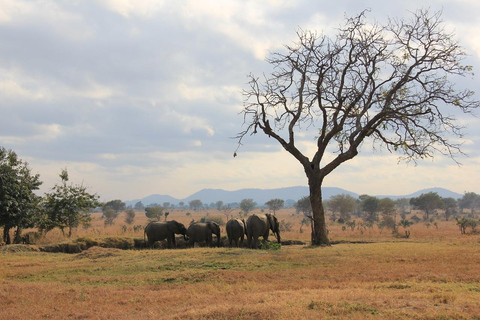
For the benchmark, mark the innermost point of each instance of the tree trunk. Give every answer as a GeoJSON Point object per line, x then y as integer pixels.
{"type": "Point", "coordinates": [6, 235]}
{"type": "Point", "coordinates": [319, 234]}
{"type": "Point", "coordinates": [18, 235]}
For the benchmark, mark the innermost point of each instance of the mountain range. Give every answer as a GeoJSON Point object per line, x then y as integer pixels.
{"type": "Point", "coordinates": [260, 196]}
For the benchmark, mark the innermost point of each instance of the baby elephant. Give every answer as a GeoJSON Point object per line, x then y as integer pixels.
{"type": "Point", "coordinates": [158, 231]}
{"type": "Point", "coordinates": [199, 232]}
{"type": "Point", "coordinates": [236, 230]}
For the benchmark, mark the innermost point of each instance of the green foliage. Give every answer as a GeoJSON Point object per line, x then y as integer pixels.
{"type": "Point", "coordinates": [344, 204]}
{"type": "Point", "coordinates": [117, 205]}
{"type": "Point", "coordinates": [247, 205]}
{"type": "Point", "coordinates": [67, 205]}
{"type": "Point", "coordinates": [464, 223]}
{"type": "Point", "coordinates": [470, 200]}
{"type": "Point", "coordinates": [427, 202]}
{"type": "Point", "coordinates": [109, 214]}
{"type": "Point", "coordinates": [129, 216]}
{"type": "Point", "coordinates": [18, 202]}
{"type": "Point", "coordinates": [139, 206]}
{"type": "Point", "coordinates": [304, 206]}
{"type": "Point", "coordinates": [405, 223]}
{"type": "Point", "coordinates": [155, 212]}
{"type": "Point", "coordinates": [369, 206]}
{"type": "Point", "coordinates": [195, 204]}
{"type": "Point", "coordinates": [268, 245]}
{"type": "Point", "coordinates": [450, 205]}
{"type": "Point", "coordinates": [275, 204]}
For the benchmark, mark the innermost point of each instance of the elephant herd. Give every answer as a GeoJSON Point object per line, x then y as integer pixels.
{"type": "Point", "coordinates": [257, 225]}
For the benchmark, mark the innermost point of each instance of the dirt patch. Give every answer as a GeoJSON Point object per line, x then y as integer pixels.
{"type": "Point", "coordinates": [99, 252]}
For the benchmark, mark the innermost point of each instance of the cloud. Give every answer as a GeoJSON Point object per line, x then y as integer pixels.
{"type": "Point", "coordinates": [141, 97]}
{"type": "Point", "coordinates": [137, 8]}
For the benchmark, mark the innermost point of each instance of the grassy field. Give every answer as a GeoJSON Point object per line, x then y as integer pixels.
{"type": "Point", "coordinates": [366, 274]}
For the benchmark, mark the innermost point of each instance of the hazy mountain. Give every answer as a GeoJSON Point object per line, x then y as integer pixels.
{"type": "Point", "coordinates": [444, 193]}
{"type": "Point", "coordinates": [260, 196]}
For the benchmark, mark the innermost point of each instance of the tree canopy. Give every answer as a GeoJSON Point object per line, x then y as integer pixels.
{"type": "Point", "coordinates": [67, 206]}
{"type": "Point", "coordinates": [18, 202]}
{"type": "Point", "coordinates": [390, 84]}
{"type": "Point", "coordinates": [247, 205]}
{"type": "Point", "coordinates": [275, 204]}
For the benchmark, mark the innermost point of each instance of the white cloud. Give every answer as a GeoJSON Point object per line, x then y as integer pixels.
{"type": "Point", "coordinates": [138, 8]}
{"type": "Point", "coordinates": [11, 9]}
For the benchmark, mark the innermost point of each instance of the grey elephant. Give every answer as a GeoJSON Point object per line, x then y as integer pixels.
{"type": "Point", "coordinates": [259, 225]}
{"type": "Point", "coordinates": [236, 229]}
{"type": "Point", "coordinates": [203, 231]}
{"type": "Point", "coordinates": [157, 231]}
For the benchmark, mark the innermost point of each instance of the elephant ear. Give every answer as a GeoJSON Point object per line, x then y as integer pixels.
{"type": "Point", "coordinates": [213, 226]}
{"type": "Point", "coordinates": [173, 226]}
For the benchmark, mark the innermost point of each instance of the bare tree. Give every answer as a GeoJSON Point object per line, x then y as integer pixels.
{"type": "Point", "coordinates": [390, 84]}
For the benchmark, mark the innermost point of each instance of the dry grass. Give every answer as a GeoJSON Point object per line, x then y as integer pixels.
{"type": "Point", "coordinates": [432, 275]}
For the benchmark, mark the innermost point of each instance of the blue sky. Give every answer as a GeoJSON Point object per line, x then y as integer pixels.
{"type": "Point", "coordinates": [142, 97]}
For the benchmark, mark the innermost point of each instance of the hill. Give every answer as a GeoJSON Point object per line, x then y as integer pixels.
{"type": "Point", "coordinates": [260, 196]}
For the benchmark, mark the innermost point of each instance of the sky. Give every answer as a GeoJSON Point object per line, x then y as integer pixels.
{"type": "Point", "coordinates": [141, 97]}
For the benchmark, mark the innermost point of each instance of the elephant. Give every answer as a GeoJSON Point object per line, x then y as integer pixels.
{"type": "Point", "coordinates": [260, 225]}
{"type": "Point", "coordinates": [236, 229]}
{"type": "Point", "coordinates": [157, 231]}
{"type": "Point", "coordinates": [202, 231]}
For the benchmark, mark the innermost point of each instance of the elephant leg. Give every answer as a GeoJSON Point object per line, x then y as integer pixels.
{"type": "Point", "coordinates": [169, 242]}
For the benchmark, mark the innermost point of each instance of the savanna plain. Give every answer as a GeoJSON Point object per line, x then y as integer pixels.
{"type": "Point", "coordinates": [367, 273]}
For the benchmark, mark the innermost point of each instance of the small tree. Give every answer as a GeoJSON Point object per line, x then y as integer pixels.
{"type": "Point", "coordinates": [275, 204]}
{"type": "Point", "coordinates": [18, 202]}
{"type": "Point", "coordinates": [388, 84]}
{"type": "Point", "coordinates": [247, 205]}
{"type": "Point", "coordinates": [387, 208]}
{"type": "Point", "coordinates": [304, 206]}
{"type": "Point", "coordinates": [67, 205]}
{"type": "Point", "coordinates": [195, 204]}
{"type": "Point", "coordinates": [154, 213]}
{"type": "Point", "coordinates": [139, 206]}
{"type": "Point", "coordinates": [369, 207]}
{"type": "Point", "coordinates": [450, 205]}
{"type": "Point", "coordinates": [344, 204]}
{"type": "Point", "coordinates": [428, 203]}
{"type": "Point", "coordinates": [402, 204]}
{"type": "Point", "coordinates": [129, 216]}
{"type": "Point", "coordinates": [117, 205]}
{"type": "Point", "coordinates": [219, 205]}
{"type": "Point", "coordinates": [109, 214]}
{"type": "Point", "coordinates": [470, 200]}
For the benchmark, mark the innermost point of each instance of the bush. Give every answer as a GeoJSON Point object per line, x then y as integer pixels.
{"type": "Point", "coordinates": [267, 245]}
